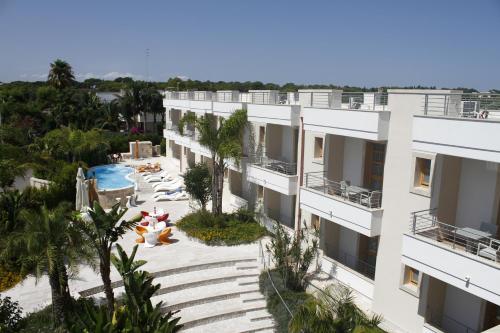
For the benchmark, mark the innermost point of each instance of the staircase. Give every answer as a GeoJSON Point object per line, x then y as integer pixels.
{"type": "Point", "coordinates": [218, 296]}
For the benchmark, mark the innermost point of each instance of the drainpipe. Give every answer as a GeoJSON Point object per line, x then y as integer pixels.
{"type": "Point", "coordinates": [300, 174]}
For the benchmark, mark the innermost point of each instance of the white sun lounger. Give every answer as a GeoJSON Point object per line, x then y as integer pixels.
{"type": "Point", "coordinates": [173, 197]}
{"type": "Point", "coordinates": [158, 175]}
{"type": "Point", "coordinates": [168, 182]}
{"type": "Point", "coordinates": [157, 194]}
{"type": "Point", "coordinates": [168, 187]}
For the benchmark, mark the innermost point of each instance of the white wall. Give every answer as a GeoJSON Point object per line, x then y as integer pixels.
{"type": "Point", "coordinates": [354, 156]}
{"type": "Point", "coordinates": [478, 181]}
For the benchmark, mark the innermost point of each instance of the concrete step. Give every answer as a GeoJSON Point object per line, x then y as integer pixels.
{"type": "Point", "coordinates": [175, 271]}
{"type": "Point", "coordinates": [205, 294]}
{"type": "Point", "coordinates": [203, 314]}
{"type": "Point", "coordinates": [233, 325]}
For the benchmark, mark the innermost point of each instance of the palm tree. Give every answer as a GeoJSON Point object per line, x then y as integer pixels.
{"type": "Point", "coordinates": [137, 314]}
{"type": "Point", "coordinates": [101, 233]}
{"type": "Point", "coordinates": [49, 245]}
{"type": "Point", "coordinates": [333, 310]}
{"type": "Point", "coordinates": [60, 74]}
{"type": "Point", "coordinates": [152, 102]}
{"type": "Point", "coordinates": [224, 140]}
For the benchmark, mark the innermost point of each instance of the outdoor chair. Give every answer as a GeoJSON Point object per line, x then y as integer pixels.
{"type": "Point", "coordinates": [489, 227]}
{"type": "Point", "coordinates": [490, 251]}
{"type": "Point", "coordinates": [140, 230]}
{"type": "Point", "coordinates": [372, 199]}
{"type": "Point", "coordinates": [164, 236]}
{"type": "Point", "coordinates": [164, 217]}
{"type": "Point", "coordinates": [344, 184]}
{"type": "Point", "coordinates": [144, 214]}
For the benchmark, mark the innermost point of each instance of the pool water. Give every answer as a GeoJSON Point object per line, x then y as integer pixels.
{"type": "Point", "coordinates": [111, 176]}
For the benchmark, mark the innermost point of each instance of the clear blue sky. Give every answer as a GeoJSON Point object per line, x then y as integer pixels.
{"type": "Point", "coordinates": [368, 43]}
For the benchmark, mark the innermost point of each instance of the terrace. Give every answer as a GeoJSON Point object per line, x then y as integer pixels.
{"type": "Point", "coordinates": [472, 123]}
{"type": "Point", "coordinates": [359, 115]}
{"type": "Point", "coordinates": [465, 257]}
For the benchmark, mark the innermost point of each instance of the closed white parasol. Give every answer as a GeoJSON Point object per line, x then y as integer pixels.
{"type": "Point", "coordinates": [82, 192]}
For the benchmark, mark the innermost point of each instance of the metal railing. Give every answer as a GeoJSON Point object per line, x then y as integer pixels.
{"type": "Point", "coordinates": [343, 190]}
{"type": "Point", "coordinates": [475, 106]}
{"type": "Point", "coordinates": [285, 168]}
{"type": "Point", "coordinates": [425, 223]}
{"type": "Point", "coordinates": [354, 263]}
{"type": "Point", "coordinates": [446, 323]}
{"type": "Point", "coordinates": [364, 101]}
{"type": "Point", "coordinates": [274, 98]}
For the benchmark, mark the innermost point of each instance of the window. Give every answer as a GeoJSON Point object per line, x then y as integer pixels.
{"type": "Point", "coordinates": [318, 147]}
{"type": "Point", "coordinates": [262, 135]}
{"type": "Point", "coordinates": [423, 172]}
{"type": "Point", "coordinates": [315, 222]}
{"type": "Point", "coordinates": [185, 150]}
{"type": "Point", "coordinates": [411, 276]}
{"type": "Point", "coordinates": [260, 192]}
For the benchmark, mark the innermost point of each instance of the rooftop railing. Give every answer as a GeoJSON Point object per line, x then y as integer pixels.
{"type": "Point", "coordinates": [285, 168]}
{"type": "Point", "coordinates": [364, 101]}
{"type": "Point", "coordinates": [477, 243]}
{"type": "Point", "coordinates": [274, 98]}
{"type": "Point", "coordinates": [343, 190]}
{"type": "Point", "coordinates": [475, 106]}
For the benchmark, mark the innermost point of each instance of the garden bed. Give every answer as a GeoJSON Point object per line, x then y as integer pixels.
{"type": "Point", "coordinates": [226, 229]}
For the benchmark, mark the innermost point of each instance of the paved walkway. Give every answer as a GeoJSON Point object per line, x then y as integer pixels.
{"type": "Point", "coordinates": [32, 294]}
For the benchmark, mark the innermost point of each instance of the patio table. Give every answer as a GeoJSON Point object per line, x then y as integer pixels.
{"type": "Point", "coordinates": [472, 237]}
{"type": "Point", "coordinates": [353, 189]}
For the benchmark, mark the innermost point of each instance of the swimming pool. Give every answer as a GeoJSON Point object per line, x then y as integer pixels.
{"type": "Point", "coordinates": [111, 176]}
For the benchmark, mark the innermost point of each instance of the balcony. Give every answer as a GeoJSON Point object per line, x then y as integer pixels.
{"type": "Point", "coordinates": [271, 107]}
{"type": "Point", "coordinates": [196, 101]}
{"type": "Point", "coordinates": [352, 207]}
{"type": "Point", "coordinates": [462, 257]}
{"type": "Point", "coordinates": [464, 125]}
{"type": "Point", "coordinates": [276, 175]}
{"type": "Point", "coordinates": [358, 115]}
{"type": "Point", "coordinates": [226, 102]}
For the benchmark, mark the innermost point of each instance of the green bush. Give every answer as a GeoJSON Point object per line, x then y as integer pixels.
{"type": "Point", "coordinates": [275, 306]}
{"type": "Point", "coordinates": [10, 315]}
{"type": "Point", "coordinates": [225, 229]}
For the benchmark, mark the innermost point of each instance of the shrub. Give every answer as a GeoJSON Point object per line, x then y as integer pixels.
{"type": "Point", "coordinates": [8, 279]}
{"type": "Point", "coordinates": [275, 306]}
{"type": "Point", "coordinates": [198, 182]}
{"type": "Point", "coordinates": [225, 229]}
{"type": "Point", "coordinates": [10, 315]}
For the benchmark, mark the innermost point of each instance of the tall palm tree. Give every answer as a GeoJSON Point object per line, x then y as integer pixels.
{"type": "Point", "coordinates": [102, 231]}
{"type": "Point", "coordinates": [224, 140]}
{"type": "Point", "coordinates": [60, 74]}
{"type": "Point", "coordinates": [333, 310]}
{"type": "Point", "coordinates": [50, 245]}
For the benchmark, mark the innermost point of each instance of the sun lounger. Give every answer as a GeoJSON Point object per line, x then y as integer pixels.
{"type": "Point", "coordinates": [172, 197]}
{"type": "Point", "coordinates": [168, 187]}
{"type": "Point", "coordinates": [168, 182]}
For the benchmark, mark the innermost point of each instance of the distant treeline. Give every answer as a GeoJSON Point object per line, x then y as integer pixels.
{"type": "Point", "coordinates": [176, 83]}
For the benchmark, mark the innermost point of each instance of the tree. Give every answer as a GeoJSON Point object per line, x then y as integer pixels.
{"type": "Point", "coordinates": [152, 102]}
{"type": "Point", "coordinates": [137, 314]}
{"type": "Point", "coordinates": [60, 74]}
{"type": "Point", "coordinates": [102, 231]}
{"type": "Point", "coordinates": [198, 183]}
{"type": "Point", "coordinates": [49, 244]}
{"type": "Point", "coordinates": [224, 140]}
{"type": "Point", "coordinates": [333, 310]}
{"type": "Point", "coordinates": [292, 256]}
{"type": "Point", "coordinates": [9, 170]}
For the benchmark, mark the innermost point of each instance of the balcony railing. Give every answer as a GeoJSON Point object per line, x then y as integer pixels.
{"type": "Point", "coordinates": [475, 106]}
{"type": "Point", "coordinates": [477, 243]}
{"type": "Point", "coordinates": [354, 263]}
{"type": "Point", "coordinates": [364, 101]}
{"type": "Point", "coordinates": [285, 168]}
{"type": "Point", "coordinates": [343, 190]}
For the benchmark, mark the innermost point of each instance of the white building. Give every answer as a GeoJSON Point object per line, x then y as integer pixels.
{"type": "Point", "coordinates": [404, 187]}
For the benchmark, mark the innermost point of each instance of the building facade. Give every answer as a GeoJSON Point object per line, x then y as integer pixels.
{"type": "Point", "coordinates": [403, 186]}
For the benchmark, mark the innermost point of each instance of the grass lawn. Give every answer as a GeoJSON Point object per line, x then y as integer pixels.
{"type": "Point", "coordinates": [227, 229]}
